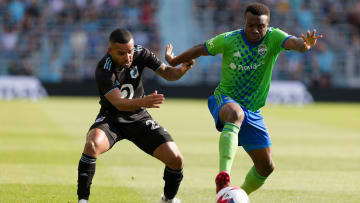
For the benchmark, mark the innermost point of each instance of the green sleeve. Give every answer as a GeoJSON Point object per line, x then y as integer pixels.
{"type": "Point", "coordinates": [278, 38]}
{"type": "Point", "coordinates": [216, 45]}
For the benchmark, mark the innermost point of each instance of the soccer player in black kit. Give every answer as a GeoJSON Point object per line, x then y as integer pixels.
{"type": "Point", "coordinates": [123, 113]}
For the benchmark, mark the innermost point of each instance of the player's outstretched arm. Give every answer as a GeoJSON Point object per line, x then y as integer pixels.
{"type": "Point", "coordinates": [150, 101]}
{"type": "Point", "coordinates": [303, 43]}
{"type": "Point", "coordinates": [174, 73]}
{"type": "Point", "coordinates": [186, 56]}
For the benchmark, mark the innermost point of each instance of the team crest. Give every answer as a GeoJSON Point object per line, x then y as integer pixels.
{"type": "Point", "coordinates": [134, 73]}
{"type": "Point", "coordinates": [262, 49]}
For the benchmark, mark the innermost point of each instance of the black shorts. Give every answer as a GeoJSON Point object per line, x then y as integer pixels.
{"type": "Point", "coordinates": [146, 133]}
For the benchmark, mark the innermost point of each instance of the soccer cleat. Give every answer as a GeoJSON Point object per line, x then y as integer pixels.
{"type": "Point", "coordinates": [222, 180]}
{"type": "Point", "coordinates": [164, 200]}
{"type": "Point", "coordinates": [83, 201]}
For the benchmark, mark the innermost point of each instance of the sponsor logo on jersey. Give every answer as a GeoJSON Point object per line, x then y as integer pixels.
{"type": "Point", "coordinates": [134, 73]}
{"type": "Point", "coordinates": [253, 66]}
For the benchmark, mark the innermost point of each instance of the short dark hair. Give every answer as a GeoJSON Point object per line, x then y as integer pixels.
{"type": "Point", "coordinates": [258, 9]}
{"type": "Point", "coordinates": [122, 36]}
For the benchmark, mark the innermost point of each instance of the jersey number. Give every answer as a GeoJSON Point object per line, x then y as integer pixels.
{"type": "Point", "coordinates": [127, 91]}
{"type": "Point", "coordinates": [153, 124]}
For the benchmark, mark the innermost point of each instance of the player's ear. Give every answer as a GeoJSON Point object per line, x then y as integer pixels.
{"type": "Point", "coordinates": [110, 45]}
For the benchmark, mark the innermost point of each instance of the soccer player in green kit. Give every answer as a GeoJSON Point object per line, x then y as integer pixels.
{"type": "Point", "coordinates": [249, 56]}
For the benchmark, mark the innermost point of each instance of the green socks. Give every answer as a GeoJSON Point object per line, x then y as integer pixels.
{"type": "Point", "coordinates": [253, 181]}
{"type": "Point", "coordinates": [228, 144]}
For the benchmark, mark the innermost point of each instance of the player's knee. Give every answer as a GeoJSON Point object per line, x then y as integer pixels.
{"type": "Point", "coordinates": [236, 117]}
{"type": "Point", "coordinates": [268, 169]}
{"type": "Point", "coordinates": [90, 148]}
{"type": "Point", "coordinates": [177, 162]}
{"type": "Point", "coordinates": [265, 169]}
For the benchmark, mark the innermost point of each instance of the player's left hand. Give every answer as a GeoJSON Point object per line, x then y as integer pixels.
{"type": "Point", "coordinates": [310, 39]}
{"type": "Point", "coordinates": [169, 55]}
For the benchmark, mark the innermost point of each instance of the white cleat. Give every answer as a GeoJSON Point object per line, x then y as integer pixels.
{"type": "Point", "coordinates": [164, 200]}
{"type": "Point", "coordinates": [83, 201]}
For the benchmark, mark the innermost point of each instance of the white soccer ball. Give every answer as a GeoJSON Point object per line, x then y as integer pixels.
{"type": "Point", "coordinates": [232, 195]}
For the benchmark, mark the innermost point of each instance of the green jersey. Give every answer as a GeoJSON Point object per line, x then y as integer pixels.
{"type": "Point", "coordinates": [246, 69]}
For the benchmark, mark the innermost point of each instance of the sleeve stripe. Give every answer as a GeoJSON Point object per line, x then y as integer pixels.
{"type": "Point", "coordinates": [108, 63]}
{"type": "Point", "coordinates": [282, 44]}
{"type": "Point", "coordinates": [110, 91]}
{"type": "Point", "coordinates": [208, 50]}
{"type": "Point", "coordinates": [105, 65]}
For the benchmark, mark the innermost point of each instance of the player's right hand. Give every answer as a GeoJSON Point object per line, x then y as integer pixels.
{"type": "Point", "coordinates": [153, 100]}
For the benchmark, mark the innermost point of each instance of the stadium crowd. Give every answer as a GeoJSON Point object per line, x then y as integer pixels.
{"type": "Point", "coordinates": [328, 64]}
{"type": "Point", "coordinates": [60, 40]}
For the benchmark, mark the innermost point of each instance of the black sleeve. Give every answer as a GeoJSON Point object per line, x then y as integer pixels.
{"type": "Point", "coordinates": [149, 59]}
{"type": "Point", "coordinates": [105, 80]}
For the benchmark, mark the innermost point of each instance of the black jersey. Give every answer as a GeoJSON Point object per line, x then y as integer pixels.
{"type": "Point", "coordinates": [128, 80]}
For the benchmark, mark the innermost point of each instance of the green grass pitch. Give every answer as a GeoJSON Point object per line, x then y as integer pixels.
{"type": "Point", "coordinates": [316, 149]}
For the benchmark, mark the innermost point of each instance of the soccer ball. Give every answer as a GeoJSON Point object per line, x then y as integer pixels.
{"type": "Point", "coordinates": [232, 195]}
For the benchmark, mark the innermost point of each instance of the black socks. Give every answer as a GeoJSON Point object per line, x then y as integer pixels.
{"type": "Point", "coordinates": [86, 171]}
{"type": "Point", "coordinates": [172, 180]}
